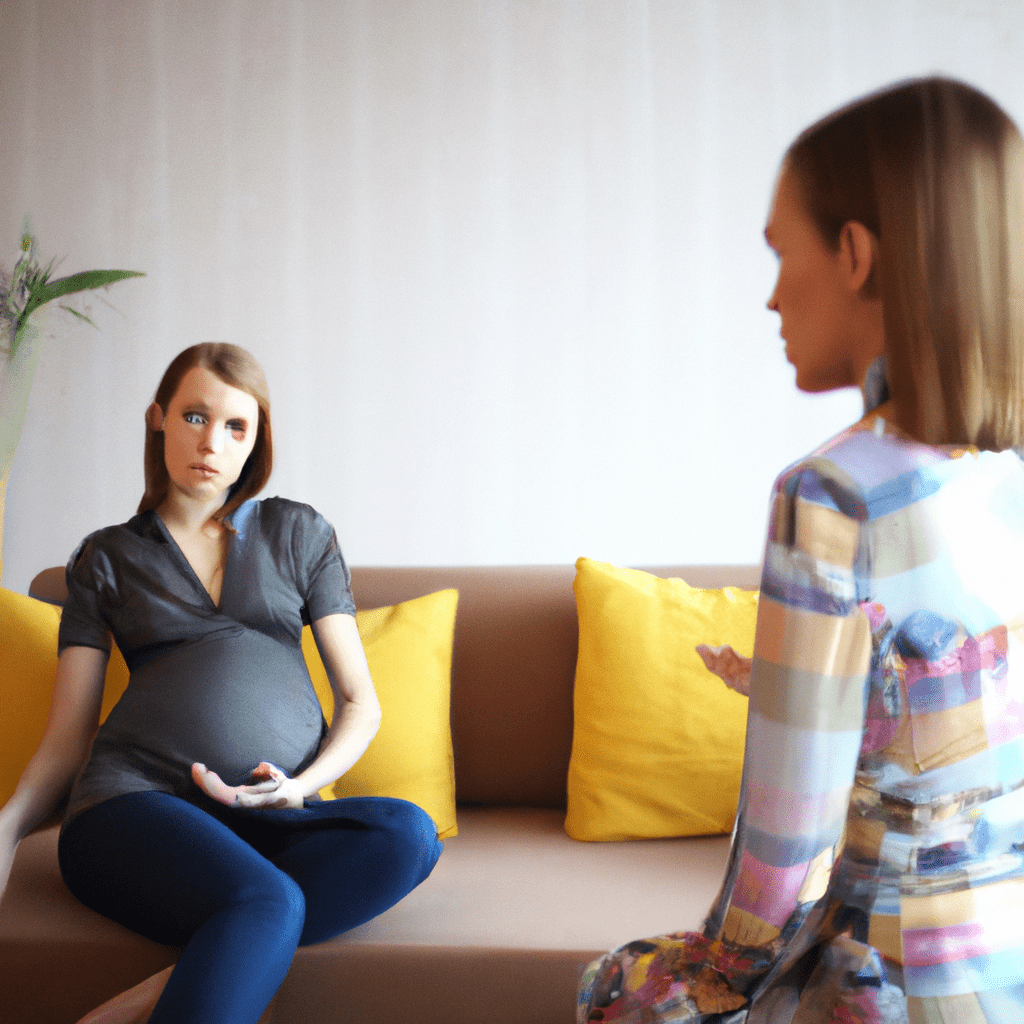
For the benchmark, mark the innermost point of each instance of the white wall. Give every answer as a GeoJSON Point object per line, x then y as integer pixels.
{"type": "Point", "coordinates": [502, 261]}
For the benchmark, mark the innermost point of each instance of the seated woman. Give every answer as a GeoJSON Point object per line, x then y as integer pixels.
{"type": "Point", "coordinates": [193, 817]}
{"type": "Point", "coordinates": [877, 862]}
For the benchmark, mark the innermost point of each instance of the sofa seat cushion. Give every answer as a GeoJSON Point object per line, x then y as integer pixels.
{"type": "Point", "coordinates": [510, 914]}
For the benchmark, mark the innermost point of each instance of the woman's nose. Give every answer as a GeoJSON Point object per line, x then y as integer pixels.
{"type": "Point", "coordinates": [213, 439]}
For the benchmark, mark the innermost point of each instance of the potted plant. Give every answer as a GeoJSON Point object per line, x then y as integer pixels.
{"type": "Point", "coordinates": [29, 287]}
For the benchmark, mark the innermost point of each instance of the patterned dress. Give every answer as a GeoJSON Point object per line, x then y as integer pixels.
{"type": "Point", "coordinates": [877, 864]}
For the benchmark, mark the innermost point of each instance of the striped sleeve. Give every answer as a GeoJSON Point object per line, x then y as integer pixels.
{"type": "Point", "coordinates": [808, 694]}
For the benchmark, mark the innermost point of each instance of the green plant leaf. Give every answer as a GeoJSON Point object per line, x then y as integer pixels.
{"type": "Point", "coordinates": [86, 280]}
{"type": "Point", "coordinates": [74, 312]}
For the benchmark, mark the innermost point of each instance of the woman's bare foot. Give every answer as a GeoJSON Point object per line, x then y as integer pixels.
{"type": "Point", "coordinates": [133, 1006]}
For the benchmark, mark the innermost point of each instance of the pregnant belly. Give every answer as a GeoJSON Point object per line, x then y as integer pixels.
{"type": "Point", "coordinates": [228, 700]}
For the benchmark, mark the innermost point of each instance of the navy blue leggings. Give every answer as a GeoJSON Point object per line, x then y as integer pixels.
{"type": "Point", "coordinates": [240, 890]}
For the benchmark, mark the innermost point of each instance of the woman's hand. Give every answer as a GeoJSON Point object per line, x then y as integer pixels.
{"type": "Point", "coordinates": [732, 668]}
{"type": "Point", "coordinates": [271, 788]}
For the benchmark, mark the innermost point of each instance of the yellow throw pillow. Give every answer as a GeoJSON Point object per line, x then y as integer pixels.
{"type": "Point", "coordinates": [658, 740]}
{"type": "Point", "coordinates": [409, 649]}
{"type": "Point", "coordinates": [28, 662]}
{"type": "Point", "coordinates": [28, 666]}
{"type": "Point", "coordinates": [116, 681]}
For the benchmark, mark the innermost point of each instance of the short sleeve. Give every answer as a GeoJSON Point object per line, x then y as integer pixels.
{"type": "Point", "coordinates": [327, 580]}
{"type": "Point", "coordinates": [82, 623]}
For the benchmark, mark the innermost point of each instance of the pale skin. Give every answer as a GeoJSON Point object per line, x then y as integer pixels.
{"type": "Point", "coordinates": [210, 429]}
{"type": "Point", "coordinates": [732, 668]}
{"type": "Point", "coordinates": [831, 322]}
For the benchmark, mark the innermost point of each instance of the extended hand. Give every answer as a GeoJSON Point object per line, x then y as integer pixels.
{"type": "Point", "coordinates": [271, 788]}
{"type": "Point", "coordinates": [732, 668]}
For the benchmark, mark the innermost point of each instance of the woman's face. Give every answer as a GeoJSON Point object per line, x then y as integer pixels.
{"type": "Point", "coordinates": [209, 431]}
{"type": "Point", "coordinates": [811, 295]}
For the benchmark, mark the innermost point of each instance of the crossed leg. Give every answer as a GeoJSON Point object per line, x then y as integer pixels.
{"type": "Point", "coordinates": [240, 898]}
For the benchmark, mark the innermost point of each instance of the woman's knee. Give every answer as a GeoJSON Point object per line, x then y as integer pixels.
{"type": "Point", "coordinates": [395, 832]}
{"type": "Point", "coordinates": [383, 849]}
{"type": "Point", "coordinates": [273, 905]}
{"type": "Point", "coordinates": [413, 838]}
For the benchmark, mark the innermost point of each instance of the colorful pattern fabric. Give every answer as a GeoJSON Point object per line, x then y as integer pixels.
{"type": "Point", "coordinates": [877, 864]}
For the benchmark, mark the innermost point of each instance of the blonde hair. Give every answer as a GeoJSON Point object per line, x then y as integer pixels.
{"type": "Point", "coordinates": [935, 169]}
{"type": "Point", "coordinates": [236, 367]}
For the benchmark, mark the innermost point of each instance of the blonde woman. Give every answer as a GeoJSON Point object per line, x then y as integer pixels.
{"type": "Point", "coordinates": [877, 863]}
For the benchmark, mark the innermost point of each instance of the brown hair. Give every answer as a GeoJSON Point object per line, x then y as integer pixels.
{"type": "Point", "coordinates": [935, 169]}
{"type": "Point", "coordinates": [239, 369]}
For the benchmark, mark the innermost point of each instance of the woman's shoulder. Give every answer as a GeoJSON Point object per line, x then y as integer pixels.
{"type": "Point", "coordinates": [283, 522]}
{"type": "Point", "coordinates": [872, 468]}
{"type": "Point", "coordinates": [114, 538]}
{"type": "Point", "coordinates": [98, 555]}
{"type": "Point", "coordinates": [293, 534]}
{"type": "Point", "coordinates": [847, 463]}
{"type": "Point", "coordinates": [276, 511]}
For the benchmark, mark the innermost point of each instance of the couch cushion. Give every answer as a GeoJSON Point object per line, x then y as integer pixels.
{"type": "Point", "coordinates": [409, 650]}
{"type": "Point", "coordinates": [658, 740]}
{"type": "Point", "coordinates": [28, 653]}
{"type": "Point", "coordinates": [512, 911]}
{"type": "Point", "coordinates": [28, 656]}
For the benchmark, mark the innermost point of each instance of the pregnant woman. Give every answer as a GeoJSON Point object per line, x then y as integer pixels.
{"type": "Point", "coordinates": [192, 816]}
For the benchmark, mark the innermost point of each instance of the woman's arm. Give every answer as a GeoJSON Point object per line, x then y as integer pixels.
{"type": "Point", "coordinates": [355, 723]}
{"type": "Point", "coordinates": [47, 778]}
{"type": "Point", "coordinates": [356, 708]}
{"type": "Point", "coordinates": [808, 693]}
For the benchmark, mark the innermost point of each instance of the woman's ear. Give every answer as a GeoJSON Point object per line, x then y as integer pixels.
{"type": "Point", "coordinates": [859, 248]}
{"type": "Point", "coordinates": [155, 417]}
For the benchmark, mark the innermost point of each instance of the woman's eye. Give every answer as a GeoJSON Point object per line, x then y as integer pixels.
{"type": "Point", "coordinates": [194, 417]}
{"type": "Point", "coordinates": [237, 427]}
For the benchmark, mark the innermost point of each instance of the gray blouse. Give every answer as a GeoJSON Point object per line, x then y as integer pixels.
{"type": "Point", "coordinates": [225, 685]}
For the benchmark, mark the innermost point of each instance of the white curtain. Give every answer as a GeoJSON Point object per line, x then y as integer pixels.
{"type": "Point", "coordinates": [501, 259]}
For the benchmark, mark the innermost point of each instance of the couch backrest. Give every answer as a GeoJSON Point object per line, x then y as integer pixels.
{"type": "Point", "coordinates": [513, 666]}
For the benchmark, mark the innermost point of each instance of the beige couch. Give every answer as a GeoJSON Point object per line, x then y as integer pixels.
{"type": "Point", "coordinates": [514, 908]}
